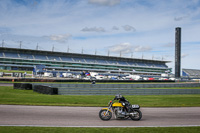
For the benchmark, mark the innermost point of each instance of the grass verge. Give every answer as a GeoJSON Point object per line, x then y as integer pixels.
{"type": "Point", "coordinates": [99, 130]}
{"type": "Point", "coordinates": [11, 96]}
{"type": "Point", "coordinates": [16, 71]}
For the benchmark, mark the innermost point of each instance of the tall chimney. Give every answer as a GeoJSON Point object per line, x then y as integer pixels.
{"type": "Point", "coordinates": [178, 52]}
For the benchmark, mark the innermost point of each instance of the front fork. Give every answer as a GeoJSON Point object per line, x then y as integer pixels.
{"type": "Point", "coordinates": [108, 109]}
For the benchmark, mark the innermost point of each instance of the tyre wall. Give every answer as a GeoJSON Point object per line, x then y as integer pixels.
{"type": "Point", "coordinates": [23, 86]}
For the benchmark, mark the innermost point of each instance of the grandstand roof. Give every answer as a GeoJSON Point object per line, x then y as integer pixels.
{"type": "Point", "coordinates": [17, 50]}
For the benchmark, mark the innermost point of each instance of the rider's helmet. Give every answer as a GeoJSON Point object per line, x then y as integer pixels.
{"type": "Point", "coordinates": [118, 96]}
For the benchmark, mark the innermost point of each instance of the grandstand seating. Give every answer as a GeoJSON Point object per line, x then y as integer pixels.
{"type": "Point", "coordinates": [54, 58]}
{"type": "Point", "coordinates": [76, 59]}
{"type": "Point", "coordinates": [191, 73]}
{"type": "Point", "coordinates": [1, 54]}
{"type": "Point", "coordinates": [40, 57]}
{"type": "Point", "coordinates": [122, 63]}
{"type": "Point", "coordinates": [78, 62]}
{"type": "Point", "coordinates": [141, 64]}
{"type": "Point", "coordinates": [26, 56]}
{"type": "Point", "coordinates": [102, 61]}
{"type": "Point", "coordinates": [12, 55]}
{"type": "Point", "coordinates": [90, 60]}
{"type": "Point", "coordinates": [68, 59]}
{"type": "Point", "coordinates": [131, 63]}
{"type": "Point", "coordinates": [149, 64]}
{"type": "Point", "coordinates": [159, 65]}
{"type": "Point", "coordinates": [112, 62]}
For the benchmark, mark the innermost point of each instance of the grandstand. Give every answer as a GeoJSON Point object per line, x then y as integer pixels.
{"type": "Point", "coordinates": [26, 59]}
{"type": "Point", "coordinates": [191, 73]}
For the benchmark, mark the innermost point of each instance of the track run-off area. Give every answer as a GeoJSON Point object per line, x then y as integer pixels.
{"type": "Point", "coordinates": [62, 116]}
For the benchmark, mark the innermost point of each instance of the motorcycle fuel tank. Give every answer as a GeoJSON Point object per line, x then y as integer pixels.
{"type": "Point", "coordinates": [117, 105]}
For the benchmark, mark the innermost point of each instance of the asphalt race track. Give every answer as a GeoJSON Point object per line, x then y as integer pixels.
{"type": "Point", "coordinates": [57, 116]}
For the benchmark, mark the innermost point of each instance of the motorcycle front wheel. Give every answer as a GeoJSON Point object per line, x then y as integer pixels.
{"type": "Point", "coordinates": [137, 115]}
{"type": "Point", "coordinates": [103, 116]}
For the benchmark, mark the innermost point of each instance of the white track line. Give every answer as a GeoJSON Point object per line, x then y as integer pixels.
{"type": "Point", "coordinates": [98, 126]}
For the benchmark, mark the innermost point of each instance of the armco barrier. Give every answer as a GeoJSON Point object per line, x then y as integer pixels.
{"type": "Point", "coordinates": [153, 85]}
{"type": "Point", "coordinates": [113, 91]}
{"type": "Point", "coordinates": [125, 89]}
{"type": "Point", "coordinates": [45, 89]}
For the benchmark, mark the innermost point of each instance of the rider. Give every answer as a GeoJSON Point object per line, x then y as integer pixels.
{"type": "Point", "coordinates": [123, 101]}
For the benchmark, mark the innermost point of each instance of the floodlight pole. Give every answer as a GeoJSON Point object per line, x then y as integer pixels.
{"type": "Point", "coordinates": [2, 43]}
{"type": "Point", "coordinates": [95, 52]}
{"type": "Point", "coordinates": [68, 49]}
{"type": "Point", "coordinates": [53, 48]}
{"type": "Point", "coordinates": [37, 47]}
{"type": "Point", "coordinates": [20, 44]}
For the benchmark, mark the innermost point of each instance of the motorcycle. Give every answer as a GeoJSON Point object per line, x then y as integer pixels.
{"type": "Point", "coordinates": [120, 111]}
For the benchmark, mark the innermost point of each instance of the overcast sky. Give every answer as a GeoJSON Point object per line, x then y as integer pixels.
{"type": "Point", "coordinates": [134, 28]}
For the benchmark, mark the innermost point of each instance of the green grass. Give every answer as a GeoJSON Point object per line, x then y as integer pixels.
{"type": "Point", "coordinates": [11, 96]}
{"type": "Point", "coordinates": [172, 88]}
{"type": "Point", "coordinates": [99, 130]}
{"type": "Point", "coordinates": [8, 95]}
{"type": "Point", "coordinates": [17, 71]}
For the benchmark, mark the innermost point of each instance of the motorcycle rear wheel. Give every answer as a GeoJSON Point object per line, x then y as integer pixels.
{"type": "Point", "coordinates": [137, 116]}
{"type": "Point", "coordinates": [103, 116]}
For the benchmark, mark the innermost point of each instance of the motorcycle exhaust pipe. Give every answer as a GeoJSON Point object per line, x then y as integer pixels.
{"type": "Point", "coordinates": [131, 114]}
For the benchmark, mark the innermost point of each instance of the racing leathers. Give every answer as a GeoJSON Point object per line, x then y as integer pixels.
{"type": "Point", "coordinates": [124, 102]}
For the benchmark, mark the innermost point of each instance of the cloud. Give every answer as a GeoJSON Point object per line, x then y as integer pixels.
{"type": "Point", "coordinates": [104, 2]}
{"type": "Point", "coordinates": [180, 18]}
{"type": "Point", "coordinates": [128, 28]}
{"type": "Point", "coordinates": [123, 47]}
{"type": "Point", "coordinates": [115, 28]}
{"type": "Point", "coordinates": [59, 38]}
{"type": "Point", "coordinates": [128, 48]}
{"type": "Point", "coordinates": [101, 29]}
{"type": "Point", "coordinates": [169, 45]}
{"type": "Point", "coordinates": [142, 48]}
{"type": "Point", "coordinates": [93, 29]}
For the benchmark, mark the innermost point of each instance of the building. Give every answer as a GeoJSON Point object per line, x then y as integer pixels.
{"type": "Point", "coordinates": [26, 59]}
{"type": "Point", "coordinates": [191, 73]}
